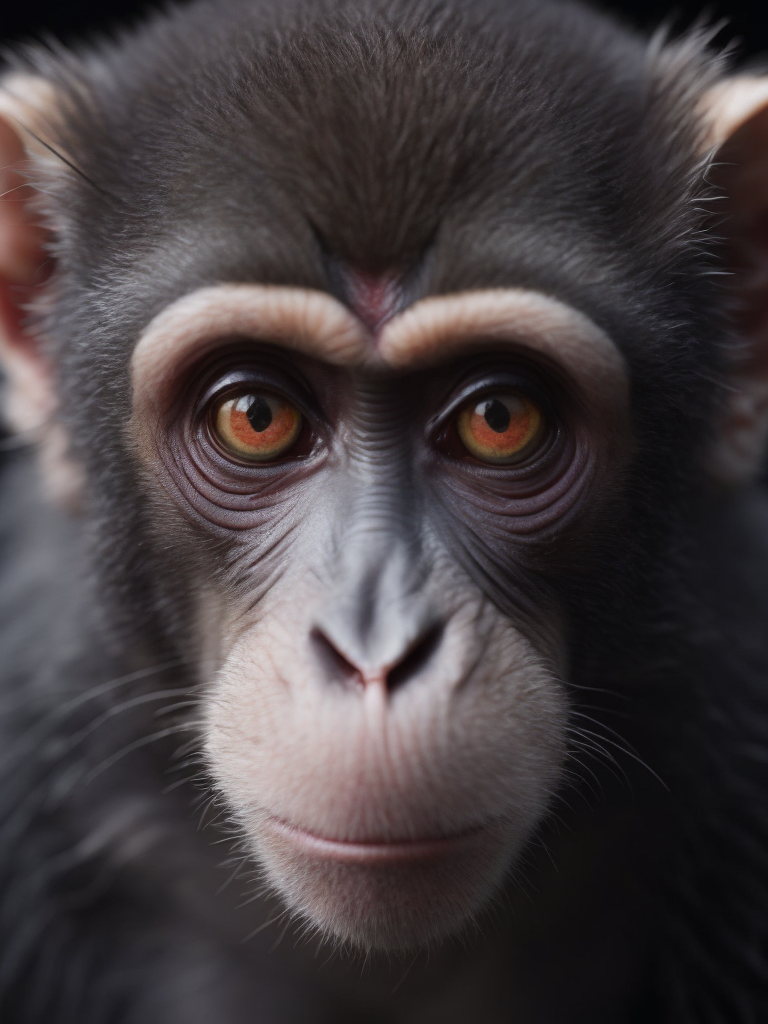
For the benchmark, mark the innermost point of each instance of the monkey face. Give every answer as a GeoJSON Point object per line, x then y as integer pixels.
{"type": "Point", "coordinates": [366, 501]}
{"type": "Point", "coordinates": [384, 706]}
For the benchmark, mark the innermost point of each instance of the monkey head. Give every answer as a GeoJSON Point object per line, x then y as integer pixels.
{"type": "Point", "coordinates": [361, 353]}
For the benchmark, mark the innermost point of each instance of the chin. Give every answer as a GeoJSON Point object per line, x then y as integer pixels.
{"type": "Point", "coordinates": [385, 895]}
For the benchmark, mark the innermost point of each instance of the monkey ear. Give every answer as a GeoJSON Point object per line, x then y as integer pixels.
{"type": "Point", "coordinates": [737, 110]}
{"type": "Point", "coordinates": [29, 397]}
{"type": "Point", "coordinates": [27, 106]}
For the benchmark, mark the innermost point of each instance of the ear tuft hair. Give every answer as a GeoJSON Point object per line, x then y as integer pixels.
{"type": "Point", "coordinates": [737, 114]}
{"type": "Point", "coordinates": [27, 105]}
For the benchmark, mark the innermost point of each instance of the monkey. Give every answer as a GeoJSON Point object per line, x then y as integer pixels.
{"type": "Point", "coordinates": [384, 544]}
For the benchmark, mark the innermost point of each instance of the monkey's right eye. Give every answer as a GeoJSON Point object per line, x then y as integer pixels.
{"type": "Point", "coordinates": [256, 426]}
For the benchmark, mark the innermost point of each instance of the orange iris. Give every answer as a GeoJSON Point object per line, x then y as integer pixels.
{"type": "Point", "coordinates": [257, 426]}
{"type": "Point", "coordinates": [500, 428]}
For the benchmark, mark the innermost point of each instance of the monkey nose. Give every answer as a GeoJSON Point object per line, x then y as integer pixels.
{"type": "Point", "coordinates": [340, 665]}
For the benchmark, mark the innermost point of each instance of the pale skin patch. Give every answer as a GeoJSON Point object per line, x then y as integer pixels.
{"type": "Point", "coordinates": [429, 332]}
{"type": "Point", "coordinates": [439, 328]}
{"type": "Point", "coordinates": [336, 785]}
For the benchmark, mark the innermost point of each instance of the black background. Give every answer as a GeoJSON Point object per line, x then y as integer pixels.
{"type": "Point", "coordinates": [746, 23]}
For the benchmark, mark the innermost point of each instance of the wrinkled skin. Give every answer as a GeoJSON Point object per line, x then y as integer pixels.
{"type": "Point", "coordinates": [502, 719]}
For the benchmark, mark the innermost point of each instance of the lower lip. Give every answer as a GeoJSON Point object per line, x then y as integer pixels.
{"type": "Point", "coordinates": [343, 852]}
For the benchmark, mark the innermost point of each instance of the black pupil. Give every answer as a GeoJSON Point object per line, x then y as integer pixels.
{"type": "Point", "coordinates": [259, 414]}
{"type": "Point", "coordinates": [496, 415]}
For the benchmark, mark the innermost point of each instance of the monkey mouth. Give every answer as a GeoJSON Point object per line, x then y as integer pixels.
{"type": "Point", "coordinates": [384, 893]}
{"type": "Point", "coordinates": [379, 851]}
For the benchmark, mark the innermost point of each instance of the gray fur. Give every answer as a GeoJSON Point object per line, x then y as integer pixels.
{"type": "Point", "coordinates": [469, 145]}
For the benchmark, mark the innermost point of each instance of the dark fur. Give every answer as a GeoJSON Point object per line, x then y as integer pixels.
{"type": "Point", "coordinates": [466, 145]}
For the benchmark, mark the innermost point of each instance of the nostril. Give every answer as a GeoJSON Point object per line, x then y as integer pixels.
{"type": "Point", "coordinates": [339, 667]}
{"type": "Point", "coordinates": [415, 659]}
{"type": "Point", "coordinates": [333, 660]}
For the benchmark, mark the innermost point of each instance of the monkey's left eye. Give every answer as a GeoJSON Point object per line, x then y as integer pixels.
{"type": "Point", "coordinates": [256, 426]}
{"type": "Point", "coordinates": [501, 428]}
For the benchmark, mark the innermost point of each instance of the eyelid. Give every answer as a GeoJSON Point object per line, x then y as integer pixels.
{"type": "Point", "coordinates": [508, 381]}
{"type": "Point", "coordinates": [257, 379]}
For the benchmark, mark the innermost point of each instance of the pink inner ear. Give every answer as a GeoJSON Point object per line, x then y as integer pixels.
{"type": "Point", "coordinates": [740, 173]}
{"type": "Point", "coordinates": [29, 399]}
{"type": "Point", "coordinates": [21, 239]}
{"type": "Point", "coordinates": [741, 170]}
{"type": "Point", "coordinates": [751, 261]}
{"type": "Point", "coordinates": [375, 298]}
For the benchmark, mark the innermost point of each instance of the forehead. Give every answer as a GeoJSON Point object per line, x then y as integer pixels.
{"type": "Point", "coordinates": [473, 150]}
{"type": "Point", "coordinates": [466, 152]}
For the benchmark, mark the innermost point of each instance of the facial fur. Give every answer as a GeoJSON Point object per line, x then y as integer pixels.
{"type": "Point", "coordinates": [386, 628]}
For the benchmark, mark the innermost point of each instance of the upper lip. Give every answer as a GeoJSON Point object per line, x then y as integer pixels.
{"type": "Point", "coordinates": [377, 850]}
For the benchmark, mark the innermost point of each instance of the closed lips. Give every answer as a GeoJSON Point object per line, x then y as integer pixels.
{"type": "Point", "coordinates": [375, 852]}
